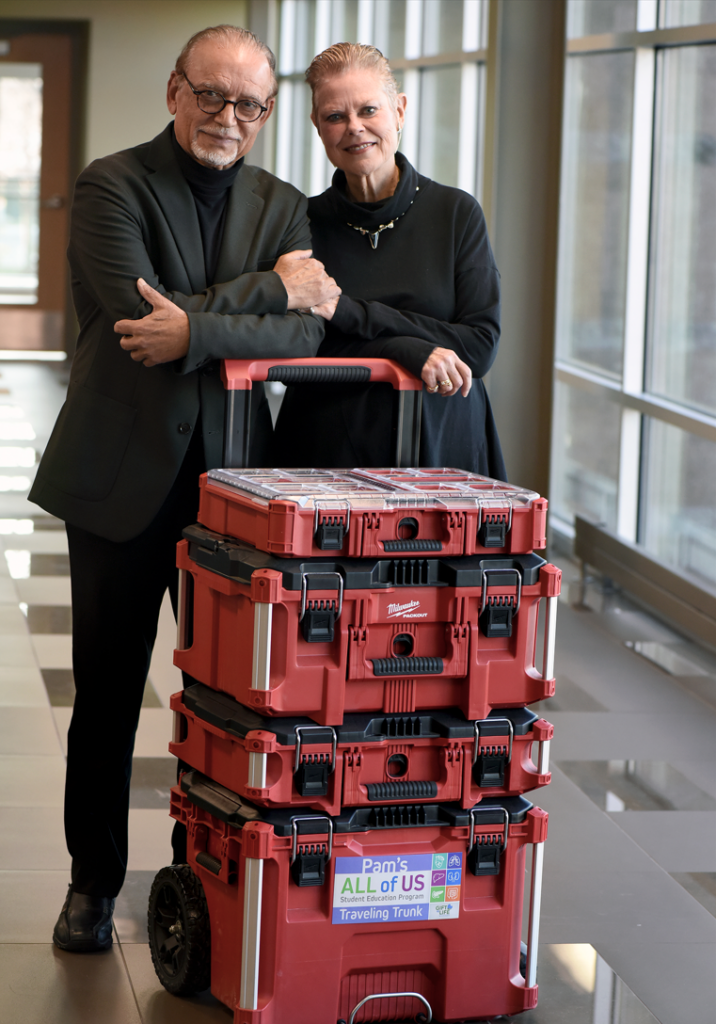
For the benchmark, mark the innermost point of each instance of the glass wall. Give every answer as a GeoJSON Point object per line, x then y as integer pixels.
{"type": "Point", "coordinates": [443, 133]}
{"type": "Point", "coordinates": [634, 434]}
{"type": "Point", "coordinates": [20, 146]}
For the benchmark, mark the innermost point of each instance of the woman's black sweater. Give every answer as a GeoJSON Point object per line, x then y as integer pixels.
{"type": "Point", "coordinates": [431, 282]}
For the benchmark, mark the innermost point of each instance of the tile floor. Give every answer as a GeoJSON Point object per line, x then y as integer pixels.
{"type": "Point", "coordinates": [629, 903]}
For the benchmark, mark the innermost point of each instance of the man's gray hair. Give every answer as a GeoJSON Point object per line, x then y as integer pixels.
{"type": "Point", "coordinates": [229, 35]}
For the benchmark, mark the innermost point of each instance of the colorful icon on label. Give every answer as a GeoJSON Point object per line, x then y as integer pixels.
{"type": "Point", "coordinates": [452, 877]}
{"type": "Point", "coordinates": [438, 878]}
{"type": "Point", "coordinates": [454, 860]}
{"type": "Point", "coordinates": [439, 861]}
{"type": "Point", "coordinates": [452, 892]}
{"type": "Point", "coordinates": [437, 895]}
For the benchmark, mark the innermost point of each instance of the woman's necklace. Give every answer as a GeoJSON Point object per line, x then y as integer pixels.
{"type": "Point", "coordinates": [374, 234]}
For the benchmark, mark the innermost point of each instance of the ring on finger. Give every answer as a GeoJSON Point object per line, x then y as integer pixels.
{"type": "Point", "coordinates": [445, 383]}
{"type": "Point", "coordinates": [432, 390]}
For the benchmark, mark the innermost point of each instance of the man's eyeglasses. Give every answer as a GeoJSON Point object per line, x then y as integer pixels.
{"type": "Point", "coordinates": [212, 102]}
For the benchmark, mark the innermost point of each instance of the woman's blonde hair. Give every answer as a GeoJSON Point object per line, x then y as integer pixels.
{"type": "Point", "coordinates": [342, 57]}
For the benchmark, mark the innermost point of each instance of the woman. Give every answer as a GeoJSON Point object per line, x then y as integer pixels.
{"type": "Point", "coordinates": [419, 285]}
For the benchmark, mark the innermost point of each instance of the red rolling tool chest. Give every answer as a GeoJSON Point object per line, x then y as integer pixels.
{"type": "Point", "coordinates": [341, 635]}
{"type": "Point", "coordinates": [373, 914]}
{"type": "Point", "coordinates": [357, 744]}
{"type": "Point", "coordinates": [303, 513]}
{"type": "Point", "coordinates": [432, 757]}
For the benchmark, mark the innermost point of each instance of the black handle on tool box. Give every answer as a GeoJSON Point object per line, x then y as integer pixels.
{"type": "Point", "coordinates": [239, 374]}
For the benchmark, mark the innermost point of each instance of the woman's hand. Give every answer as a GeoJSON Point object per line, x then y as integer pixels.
{"type": "Point", "coordinates": [326, 309]}
{"type": "Point", "coordinates": [443, 372]}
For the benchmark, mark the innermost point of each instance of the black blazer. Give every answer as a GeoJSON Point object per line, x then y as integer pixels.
{"type": "Point", "coordinates": [118, 442]}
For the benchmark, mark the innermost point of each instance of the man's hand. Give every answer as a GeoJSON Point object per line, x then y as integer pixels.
{"type": "Point", "coordinates": [444, 373]}
{"type": "Point", "coordinates": [305, 280]}
{"type": "Point", "coordinates": [160, 337]}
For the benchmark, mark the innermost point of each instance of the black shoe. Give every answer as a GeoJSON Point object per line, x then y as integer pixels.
{"type": "Point", "coordinates": [84, 924]}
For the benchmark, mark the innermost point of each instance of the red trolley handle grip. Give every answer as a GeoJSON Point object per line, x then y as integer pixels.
{"type": "Point", "coordinates": [239, 374]}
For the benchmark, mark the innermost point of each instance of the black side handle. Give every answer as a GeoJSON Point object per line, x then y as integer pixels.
{"type": "Point", "coordinates": [319, 374]}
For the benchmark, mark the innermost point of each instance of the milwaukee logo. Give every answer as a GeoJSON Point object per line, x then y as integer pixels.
{"type": "Point", "coordinates": [402, 609]}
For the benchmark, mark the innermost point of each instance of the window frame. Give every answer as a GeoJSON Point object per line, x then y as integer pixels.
{"type": "Point", "coordinates": [630, 396]}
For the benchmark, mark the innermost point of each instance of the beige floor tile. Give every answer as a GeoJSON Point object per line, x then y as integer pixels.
{"type": "Point", "coordinates": [62, 717]}
{"type": "Point", "coordinates": [31, 901]}
{"type": "Point", "coordinates": [165, 676]}
{"type": "Point", "coordinates": [32, 839]}
{"type": "Point", "coordinates": [22, 687]}
{"type": "Point", "coordinates": [150, 835]}
{"type": "Point", "coordinates": [153, 734]}
{"type": "Point", "coordinates": [12, 621]}
{"type": "Point", "coordinates": [53, 650]}
{"type": "Point", "coordinates": [157, 1006]}
{"type": "Point", "coordinates": [29, 781]}
{"type": "Point", "coordinates": [51, 542]}
{"type": "Point", "coordinates": [17, 651]}
{"type": "Point", "coordinates": [44, 590]}
{"type": "Point", "coordinates": [42, 985]}
{"type": "Point", "coordinates": [28, 731]}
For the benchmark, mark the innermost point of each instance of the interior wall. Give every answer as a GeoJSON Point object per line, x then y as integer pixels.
{"type": "Point", "coordinates": [525, 205]}
{"type": "Point", "coordinates": [133, 45]}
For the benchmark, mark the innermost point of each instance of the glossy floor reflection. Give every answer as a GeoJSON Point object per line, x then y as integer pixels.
{"type": "Point", "coordinates": [637, 786]}
{"type": "Point", "coordinates": [629, 903]}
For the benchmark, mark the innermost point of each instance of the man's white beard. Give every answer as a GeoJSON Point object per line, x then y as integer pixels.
{"type": "Point", "coordinates": [213, 157]}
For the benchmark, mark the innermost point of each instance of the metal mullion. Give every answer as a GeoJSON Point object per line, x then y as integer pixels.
{"type": "Point", "coordinates": [663, 409]}
{"type": "Point", "coordinates": [467, 156]}
{"type": "Point", "coordinates": [636, 288]}
{"type": "Point", "coordinates": [287, 36]}
{"type": "Point", "coordinates": [319, 160]}
{"type": "Point", "coordinates": [366, 21]}
{"type": "Point", "coordinates": [413, 30]}
{"type": "Point", "coordinates": [436, 59]}
{"type": "Point", "coordinates": [682, 36]}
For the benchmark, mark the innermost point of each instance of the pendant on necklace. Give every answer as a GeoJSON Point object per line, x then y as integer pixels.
{"type": "Point", "coordinates": [374, 236]}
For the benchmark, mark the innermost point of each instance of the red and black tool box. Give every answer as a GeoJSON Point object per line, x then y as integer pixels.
{"type": "Point", "coordinates": [432, 757]}
{"type": "Point", "coordinates": [330, 636]}
{"type": "Point", "coordinates": [373, 914]}
{"type": "Point", "coordinates": [303, 513]}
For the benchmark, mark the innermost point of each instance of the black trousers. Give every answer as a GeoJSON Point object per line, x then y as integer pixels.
{"type": "Point", "coordinates": [117, 592]}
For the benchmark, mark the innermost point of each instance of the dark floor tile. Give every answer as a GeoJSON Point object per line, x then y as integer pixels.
{"type": "Point", "coordinates": [637, 786]}
{"type": "Point", "coordinates": [152, 778]}
{"type": "Point", "coordinates": [47, 523]}
{"type": "Point", "coordinates": [568, 697]}
{"type": "Point", "coordinates": [60, 686]}
{"type": "Point", "coordinates": [49, 618]}
{"type": "Point", "coordinates": [701, 885]}
{"type": "Point", "coordinates": [39, 983]}
{"type": "Point", "coordinates": [49, 565]}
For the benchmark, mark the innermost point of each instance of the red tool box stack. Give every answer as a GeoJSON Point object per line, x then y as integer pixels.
{"type": "Point", "coordinates": [358, 741]}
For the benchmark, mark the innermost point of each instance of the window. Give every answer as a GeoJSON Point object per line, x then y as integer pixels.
{"type": "Point", "coordinates": [634, 437]}
{"type": "Point", "coordinates": [437, 49]}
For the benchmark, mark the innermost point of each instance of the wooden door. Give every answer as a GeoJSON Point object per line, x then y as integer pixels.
{"type": "Point", "coordinates": [41, 325]}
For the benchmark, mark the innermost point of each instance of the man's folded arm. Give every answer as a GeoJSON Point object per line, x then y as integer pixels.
{"type": "Point", "coordinates": [108, 253]}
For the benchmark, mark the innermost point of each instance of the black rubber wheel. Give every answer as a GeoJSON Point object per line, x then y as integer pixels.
{"type": "Point", "coordinates": [179, 931]}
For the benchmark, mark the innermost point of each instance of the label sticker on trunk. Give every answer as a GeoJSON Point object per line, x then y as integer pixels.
{"type": "Point", "coordinates": [423, 887]}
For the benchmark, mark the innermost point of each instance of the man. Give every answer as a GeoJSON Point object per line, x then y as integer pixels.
{"type": "Point", "coordinates": [181, 255]}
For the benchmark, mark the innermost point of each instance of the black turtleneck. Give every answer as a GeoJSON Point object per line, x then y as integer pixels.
{"type": "Point", "coordinates": [210, 188]}
{"type": "Point", "coordinates": [430, 282]}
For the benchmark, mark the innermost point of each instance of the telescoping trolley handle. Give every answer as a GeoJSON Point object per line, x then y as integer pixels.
{"type": "Point", "coordinates": [239, 376]}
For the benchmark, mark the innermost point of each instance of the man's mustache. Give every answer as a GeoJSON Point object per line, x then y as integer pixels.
{"type": "Point", "coordinates": [221, 133]}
